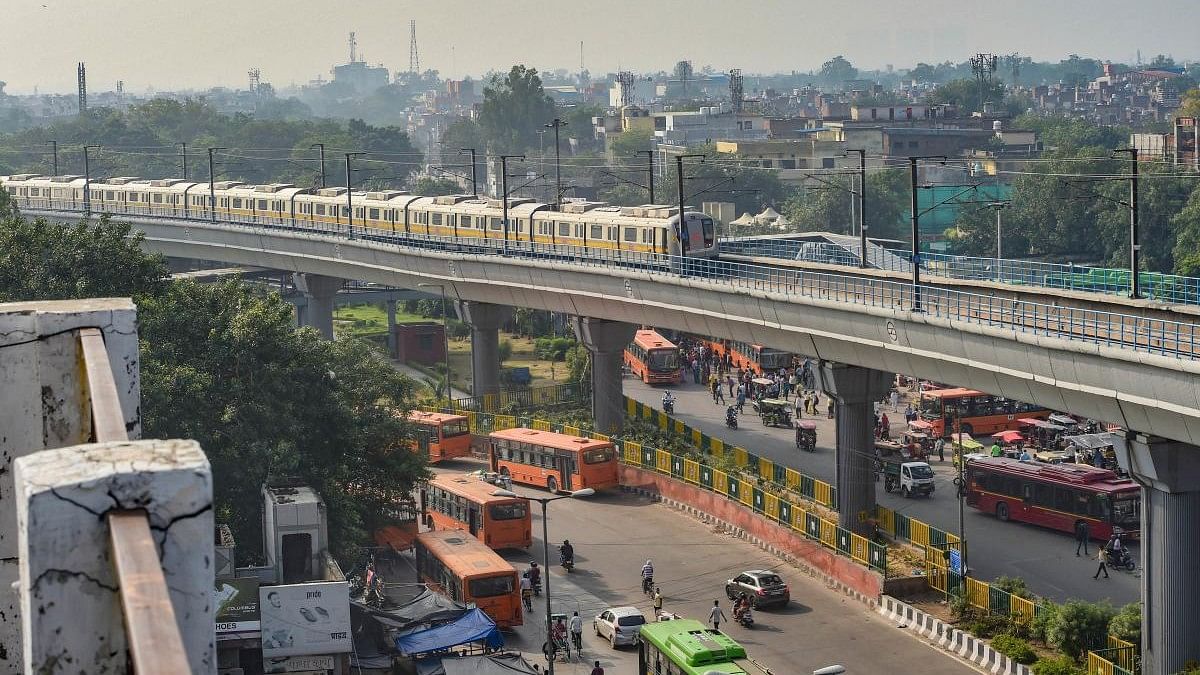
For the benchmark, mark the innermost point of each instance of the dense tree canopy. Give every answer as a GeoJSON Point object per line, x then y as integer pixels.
{"type": "Point", "coordinates": [514, 108]}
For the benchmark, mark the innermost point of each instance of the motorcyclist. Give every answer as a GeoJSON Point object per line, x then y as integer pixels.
{"type": "Point", "coordinates": [668, 399]}
{"type": "Point", "coordinates": [567, 551]}
{"type": "Point", "coordinates": [535, 575]}
{"type": "Point", "coordinates": [647, 576]}
{"type": "Point", "coordinates": [731, 415]}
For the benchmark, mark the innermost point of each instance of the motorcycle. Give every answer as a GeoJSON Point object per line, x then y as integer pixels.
{"type": "Point", "coordinates": [668, 405]}
{"type": "Point", "coordinates": [535, 580]}
{"type": "Point", "coordinates": [568, 564]}
{"type": "Point", "coordinates": [731, 417]}
{"type": "Point", "coordinates": [1121, 559]}
{"type": "Point", "coordinates": [744, 618]}
{"type": "Point", "coordinates": [648, 585]}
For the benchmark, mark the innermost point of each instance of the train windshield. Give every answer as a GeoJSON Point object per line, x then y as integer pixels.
{"type": "Point", "coordinates": [710, 231]}
{"type": "Point", "coordinates": [663, 360]}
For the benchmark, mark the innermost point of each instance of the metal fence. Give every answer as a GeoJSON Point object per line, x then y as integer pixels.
{"type": "Point", "coordinates": [1128, 332]}
{"type": "Point", "coordinates": [515, 400]}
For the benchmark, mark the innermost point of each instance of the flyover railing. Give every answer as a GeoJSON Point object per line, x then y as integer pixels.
{"type": "Point", "coordinates": [1112, 329]}
{"type": "Point", "coordinates": [1168, 288]}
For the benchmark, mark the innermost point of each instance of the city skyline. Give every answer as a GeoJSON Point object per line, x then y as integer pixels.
{"type": "Point", "coordinates": [170, 46]}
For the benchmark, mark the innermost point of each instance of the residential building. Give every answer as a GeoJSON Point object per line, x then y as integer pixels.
{"type": "Point", "coordinates": [707, 125]}
{"type": "Point", "coordinates": [793, 157]}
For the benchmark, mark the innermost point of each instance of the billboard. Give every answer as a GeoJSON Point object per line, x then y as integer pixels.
{"type": "Point", "coordinates": [303, 619]}
{"type": "Point", "coordinates": [300, 664]}
{"type": "Point", "coordinates": [236, 603]}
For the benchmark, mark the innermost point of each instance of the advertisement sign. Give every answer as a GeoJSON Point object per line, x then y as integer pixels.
{"type": "Point", "coordinates": [236, 603]}
{"type": "Point", "coordinates": [302, 619]}
{"type": "Point", "coordinates": [299, 664]}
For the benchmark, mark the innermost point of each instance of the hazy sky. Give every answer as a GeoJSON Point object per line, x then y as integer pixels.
{"type": "Point", "coordinates": [169, 44]}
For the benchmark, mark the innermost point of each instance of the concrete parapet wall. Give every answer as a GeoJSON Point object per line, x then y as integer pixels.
{"type": "Point", "coordinates": [949, 638]}
{"type": "Point", "coordinates": [838, 572]}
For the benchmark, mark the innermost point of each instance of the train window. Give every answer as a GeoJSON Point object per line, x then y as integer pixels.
{"type": "Point", "coordinates": [373, 214]}
{"type": "Point", "coordinates": [597, 232]}
{"type": "Point", "coordinates": [612, 233]}
{"type": "Point", "coordinates": [360, 212]}
{"type": "Point", "coordinates": [130, 196]}
{"type": "Point", "coordinates": [262, 205]}
{"type": "Point", "coordinates": [630, 234]}
{"type": "Point", "coordinates": [436, 218]}
{"type": "Point", "coordinates": [237, 202]}
{"type": "Point", "coordinates": [157, 199]}
{"type": "Point", "coordinates": [579, 230]}
{"type": "Point", "coordinates": [647, 235]}
{"type": "Point", "coordinates": [345, 211]}
{"type": "Point", "coordinates": [320, 209]}
{"type": "Point", "coordinates": [109, 195]}
{"type": "Point", "coordinates": [564, 229]}
{"type": "Point", "coordinates": [224, 202]}
{"type": "Point", "coordinates": [495, 223]}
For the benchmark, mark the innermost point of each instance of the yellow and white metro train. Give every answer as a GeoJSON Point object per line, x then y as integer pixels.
{"type": "Point", "coordinates": [641, 229]}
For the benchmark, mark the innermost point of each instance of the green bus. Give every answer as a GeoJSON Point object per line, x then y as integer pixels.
{"type": "Point", "coordinates": [688, 647]}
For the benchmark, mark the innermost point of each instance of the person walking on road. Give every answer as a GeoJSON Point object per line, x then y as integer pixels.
{"type": "Point", "coordinates": [657, 602]}
{"type": "Point", "coordinates": [741, 397]}
{"type": "Point", "coordinates": [716, 616]}
{"type": "Point", "coordinates": [1102, 556]}
{"type": "Point", "coordinates": [597, 670]}
{"type": "Point", "coordinates": [1082, 534]}
{"type": "Point", "coordinates": [731, 383]}
{"type": "Point", "coordinates": [576, 631]}
{"type": "Point", "coordinates": [940, 447]}
{"type": "Point", "coordinates": [829, 408]}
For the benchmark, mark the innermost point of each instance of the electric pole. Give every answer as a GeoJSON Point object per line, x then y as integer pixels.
{"type": "Point", "coordinates": [183, 158]}
{"type": "Point", "coordinates": [87, 181]}
{"type": "Point", "coordinates": [504, 194]}
{"type": "Point", "coordinates": [999, 206]}
{"type": "Point", "coordinates": [862, 206]}
{"type": "Point", "coordinates": [683, 233]}
{"type": "Point", "coordinates": [916, 236]}
{"type": "Point", "coordinates": [474, 180]}
{"type": "Point", "coordinates": [349, 192]}
{"type": "Point", "coordinates": [322, 147]}
{"type": "Point", "coordinates": [212, 184]}
{"type": "Point", "coordinates": [54, 150]}
{"type": "Point", "coordinates": [1134, 243]}
{"type": "Point", "coordinates": [556, 124]}
{"type": "Point", "coordinates": [649, 171]}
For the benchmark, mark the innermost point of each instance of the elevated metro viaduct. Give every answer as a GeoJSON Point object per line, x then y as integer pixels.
{"type": "Point", "coordinates": [860, 330]}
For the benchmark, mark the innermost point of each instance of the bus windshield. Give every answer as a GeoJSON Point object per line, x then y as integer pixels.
{"type": "Point", "coordinates": [1126, 511]}
{"type": "Point", "coordinates": [663, 360]}
{"type": "Point", "coordinates": [931, 407]}
{"type": "Point", "coordinates": [513, 511]}
{"type": "Point", "coordinates": [598, 456]}
{"type": "Point", "coordinates": [490, 587]}
{"type": "Point", "coordinates": [772, 359]}
{"type": "Point", "coordinates": [455, 428]}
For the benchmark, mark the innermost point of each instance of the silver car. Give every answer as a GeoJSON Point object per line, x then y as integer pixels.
{"type": "Point", "coordinates": [619, 625]}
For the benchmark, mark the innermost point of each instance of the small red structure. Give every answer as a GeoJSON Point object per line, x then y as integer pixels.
{"type": "Point", "coordinates": [423, 342]}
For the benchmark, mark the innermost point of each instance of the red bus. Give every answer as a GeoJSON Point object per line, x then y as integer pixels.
{"type": "Point", "coordinates": [442, 435]}
{"type": "Point", "coordinates": [654, 358]}
{"type": "Point", "coordinates": [756, 358]}
{"type": "Point", "coordinates": [981, 414]}
{"type": "Point", "coordinates": [553, 461]}
{"type": "Point", "coordinates": [1057, 496]}
{"type": "Point", "coordinates": [460, 567]}
{"type": "Point", "coordinates": [456, 501]}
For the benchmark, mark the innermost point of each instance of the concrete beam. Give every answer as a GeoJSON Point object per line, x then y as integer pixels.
{"type": "Point", "coordinates": [855, 390]}
{"type": "Point", "coordinates": [606, 342]}
{"type": "Point", "coordinates": [71, 611]}
{"type": "Point", "coordinates": [485, 320]}
{"type": "Point", "coordinates": [320, 291]}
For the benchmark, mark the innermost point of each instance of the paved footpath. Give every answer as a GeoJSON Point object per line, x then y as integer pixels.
{"type": "Point", "coordinates": [615, 533]}
{"type": "Point", "coordinates": [1044, 558]}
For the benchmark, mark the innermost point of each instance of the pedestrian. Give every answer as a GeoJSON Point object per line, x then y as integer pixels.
{"type": "Point", "coordinates": [741, 397]}
{"type": "Point", "coordinates": [597, 670]}
{"type": "Point", "coordinates": [526, 592]}
{"type": "Point", "coordinates": [940, 446]}
{"type": "Point", "coordinates": [799, 407]}
{"type": "Point", "coordinates": [895, 400]}
{"type": "Point", "coordinates": [695, 371]}
{"type": "Point", "coordinates": [1082, 534]}
{"type": "Point", "coordinates": [816, 404]}
{"type": "Point", "coordinates": [657, 602]}
{"type": "Point", "coordinates": [720, 395]}
{"type": "Point", "coordinates": [1102, 556]}
{"type": "Point", "coordinates": [716, 616]}
{"type": "Point", "coordinates": [829, 409]}
{"type": "Point", "coordinates": [576, 631]}
{"type": "Point", "coordinates": [730, 381]}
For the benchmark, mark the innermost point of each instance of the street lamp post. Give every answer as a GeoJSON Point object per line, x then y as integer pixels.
{"type": "Point", "coordinates": [999, 206]}
{"type": "Point", "coordinates": [862, 205]}
{"type": "Point", "coordinates": [445, 337]}
{"type": "Point", "coordinates": [586, 492]}
{"type": "Point", "coordinates": [558, 194]}
{"type": "Point", "coordinates": [87, 181]}
{"type": "Point", "coordinates": [474, 181]}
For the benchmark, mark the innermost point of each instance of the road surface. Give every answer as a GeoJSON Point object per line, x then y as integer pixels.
{"type": "Point", "coordinates": [614, 533]}
{"type": "Point", "coordinates": [1045, 559]}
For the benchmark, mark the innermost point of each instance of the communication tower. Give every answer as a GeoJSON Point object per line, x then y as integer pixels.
{"type": "Point", "coordinates": [255, 80]}
{"type": "Point", "coordinates": [983, 65]}
{"type": "Point", "coordinates": [625, 81]}
{"type": "Point", "coordinates": [82, 72]}
{"type": "Point", "coordinates": [736, 94]}
{"type": "Point", "coordinates": [353, 48]}
{"type": "Point", "coordinates": [414, 57]}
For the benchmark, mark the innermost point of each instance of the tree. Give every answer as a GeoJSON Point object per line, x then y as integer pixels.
{"type": "Point", "coordinates": [826, 208]}
{"type": "Point", "coordinates": [464, 132]}
{"type": "Point", "coordinates": [42, 260]}
{"type": "Point", "coordinates": [514, 108]}
{"type": "Point", "coordinates": [965, 92]}
{"type": "Point", "coordinates": [837, 70]}
{"type": "Point", "coordinates": [1186, 224]}
{"type": "Point", "coordinates": [1127, 624]}
{"type": "Point", "coordinates": [431, 186]}
{"type": "Point", "coordinates": [1161, 62]}
{"type": "Point", "coordinates": [225, 366]}
{"type": "Point", "coordinates": [1189, 104]}
{"type": "Point", "coordinates": [1079, 625]}
{"type": "Point", "coordinates": [579, 364]}
{"type": "Point", "coordinates": [504, 350]}
{"type": "Point", "coordinates": [625, 145]}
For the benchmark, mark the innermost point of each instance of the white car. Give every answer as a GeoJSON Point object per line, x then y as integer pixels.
{"type": "Point", "coordinates": [619, 625]}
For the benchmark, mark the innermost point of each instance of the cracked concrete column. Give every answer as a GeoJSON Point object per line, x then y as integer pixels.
{"type": "Point", "coordinates": [485, 320]}
{"type": "Point", "coordinates": [1169, 473]}
{"type": "Point", "coordinates": [855, 389]}
{"type": "Point", "coordinates": [71, 612]}
{"type": "Point", "coordinates": [43, 404]}
{"type": "Point", "coordinates": [320, 292]}
{"type": "Point", "coordinates": [605, 341]}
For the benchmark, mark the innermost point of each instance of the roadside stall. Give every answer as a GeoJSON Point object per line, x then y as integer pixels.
{"type": "Point", "coordinates": [1088, 447]}
{"type": "Point", "coordinates": [1043, 434]}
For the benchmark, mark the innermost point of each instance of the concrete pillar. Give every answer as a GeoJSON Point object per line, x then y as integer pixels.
{"type": "Point", "coordinates": [71, 610]}
{"type": "Point", "coordinates": [1169, 472]}
{"type": "Point", "coordinates": [43, 404]}
{"type": "Point", "coordinates": [320, 292]}
{"type": "Point", "coordinates": [485, 320]}
{"type": "Point", "coordinates": [605, 341]}
{"type": "Point", "coordinates": [391, 324]}
{"type": "Point", "coordinates": [855, 389]}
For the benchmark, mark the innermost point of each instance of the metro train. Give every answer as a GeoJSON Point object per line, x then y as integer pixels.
{"type": "Point", "coordinates": [642, 229]}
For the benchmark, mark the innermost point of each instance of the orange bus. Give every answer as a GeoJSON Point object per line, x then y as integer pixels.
{"type": "Point", "coordinates": [981, 414]}
{"type": "Point", "coordinates": [756, 358]}
{"type": "Point", "coordinates": [553, 461]}
{"type": "Point", "coordinates": [442, 435]}
{"type": "Point", "coordinates": [456, 501]}
{"type": "Point", "coordinates": [463, 569]}
{"type": "Point", "coordinates": [654, 358]}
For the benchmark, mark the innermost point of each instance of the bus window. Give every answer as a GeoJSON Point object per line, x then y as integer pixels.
{"type": "Point", "coordinates": [598, 456]}
{"type": "Point", "coordinates": [490, 587]}
{"type": "Point", "coordinates": [512, 511]}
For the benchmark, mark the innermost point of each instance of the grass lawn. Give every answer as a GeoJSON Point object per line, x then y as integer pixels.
{"type": "Point", "coordinates": [543, 372]}
{"type": "Point", "coordinates": [368, 319]}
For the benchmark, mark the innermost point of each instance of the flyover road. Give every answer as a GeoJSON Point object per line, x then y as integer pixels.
{"type": "Point", "coordinates": [614, 533]}
{"type": "Point", "coordinates": [1045, 559]}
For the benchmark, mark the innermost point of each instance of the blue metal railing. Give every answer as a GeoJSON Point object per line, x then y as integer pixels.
{"type": "Point", "coordinates": [1110, 329]}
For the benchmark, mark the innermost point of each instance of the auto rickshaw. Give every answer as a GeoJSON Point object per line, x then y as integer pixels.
{"type": "Point", "coordinates": [964, 444]}
{"type": "Point", "coordinates": [1087, 445]}
{"type": "Point", "coordinates": [806, 435]}
{"type": "Point", "coordinates": [775, 412]}
{"type": "Point", "coordinates": [760, 388]}
{"type": "Point", "coordinates": [1054, 457]}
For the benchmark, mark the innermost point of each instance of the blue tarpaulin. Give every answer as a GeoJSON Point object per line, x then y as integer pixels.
{"type": "Point", "coordinates": [474, 626]}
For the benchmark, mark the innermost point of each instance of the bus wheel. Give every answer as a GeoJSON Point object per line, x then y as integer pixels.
{"type": "Point", "coordinates": [1002, 511]}
{"type": "Point", "coordinates": [552, 484]}
{"type": "Point", "coordinates": [504, 471]}
{"type": "Point", "coordinates": [968, 429]}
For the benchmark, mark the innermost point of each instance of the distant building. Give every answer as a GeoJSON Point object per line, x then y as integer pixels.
{"type": "Point", "coordinates": [422, 342]}
{"type": "Point", "coordinates": [362, 78]}
{"type": "Point", "coordinates": [708, 125]}
{"type": "Point", "coordinates": [793, 157]}
{"type": "Point", "coordinates": [643, 92]}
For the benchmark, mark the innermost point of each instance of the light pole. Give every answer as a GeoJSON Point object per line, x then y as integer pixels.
{"type": "Point", "coordinates": [504, 196]}
{"type": "Point", "coordinates": [183, 158]}
{"type": "Point", "coordinates": [212, 185]}
{"type": "Point", "coordinates": [916, 227]}
{"type": "Point", "coordinates": [445, 337]}
{"type": "Point", "coordinates": [349, 191]}
{"type": "Point", "coordinates": [862, 205]}
{"type": "Point", "coordinates": [54, 149]}
{"type": "Point", "coordinates": [682, 220]}
{"type": "Point", "coordinates": [586, 492]}
{"type": "Point", "coordinates": [1135, 245]}
{"type": "Point", "coordinates": [650, 171]}
{"type": "Point", "coordinates": [321, 146]}
{"type": "Point", "coordinates": [556, 124]}
{"type": "Point", "coordinates": [474, 181]}
{"type": "Point", "coordinates": [87, 181]}
{"type": "Point", "coordinates": [998, 206]}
